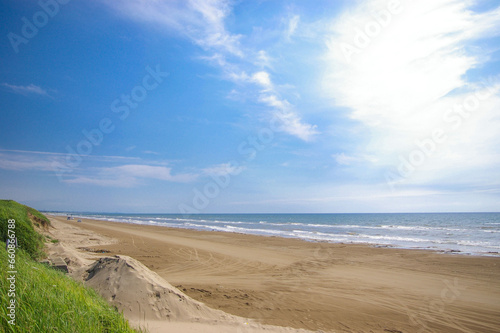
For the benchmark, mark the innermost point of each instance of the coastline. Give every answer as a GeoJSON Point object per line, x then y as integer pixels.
{"type": "Point", "coordinates": [458, 233]}
{"type": "Point", "coordinates": [314, 285]}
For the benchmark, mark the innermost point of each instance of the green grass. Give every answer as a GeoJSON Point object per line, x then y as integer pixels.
{"type": "Point", "coordinates": [27, 237]}
{"type": "Point", "coordinates": [46, 299]}
{"type": "Point", "coordinates": [49, 301]}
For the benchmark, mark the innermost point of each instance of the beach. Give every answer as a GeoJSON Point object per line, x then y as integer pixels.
{"type": "Point", "coordinates": [318, 286]}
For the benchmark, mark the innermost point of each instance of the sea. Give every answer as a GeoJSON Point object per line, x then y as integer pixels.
{"type": "Point", "coordinates": [458, 233]}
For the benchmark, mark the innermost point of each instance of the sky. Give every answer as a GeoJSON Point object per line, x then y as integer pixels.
{"type": "Point", "coordinates": [221, 106]}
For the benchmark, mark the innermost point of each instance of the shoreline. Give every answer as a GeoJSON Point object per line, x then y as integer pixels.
{"type": "Point", "coordinates": [438, 248]}
{"type": "Point", "coordinates": [314, 285]}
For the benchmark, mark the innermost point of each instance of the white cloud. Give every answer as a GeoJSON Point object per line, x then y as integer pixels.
{"type": "Point", "coordinates": [289, 121]}
{"type": "Point", "coordinates": [150, 152]}
{"type": "Point", "coordinates": [122, 175]}
{"type": "Point", "coordinates": [24, 90]}
{"type": "Point", "coordinates": [116, 181]}
{"type": "Point", "coordinates": [20, 161]}
{"type": "Point", "coordinates": [275, 102]}
{"type": "Point", "coordinates": [262, 79]}
{"type": "Point", "coordinates": [130, 175]}
{"type": "Point", "coordinates": [292, 26]}
{"type": "Point", "coordinates": [263, 59]}
{"type": "Point", "coordinates": [203, 22]}
{"type": "Point", "coordinates": [401, 78]}
{"type": "Point", "coordinates": [223, 169]}
{"type": "Point", "coordinates": [292, 124]}
{"type": "Point", "coordinates": [344, 159]}
{"type": "Point", "coordinates": [149, 171]}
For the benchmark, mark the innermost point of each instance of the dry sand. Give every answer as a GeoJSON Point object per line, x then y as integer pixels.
{"type": "Point", "coordinates": [288, 282]}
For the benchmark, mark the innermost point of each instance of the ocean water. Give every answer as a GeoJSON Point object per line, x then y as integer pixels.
{"type": "Point", "coordinates": [463, 233]}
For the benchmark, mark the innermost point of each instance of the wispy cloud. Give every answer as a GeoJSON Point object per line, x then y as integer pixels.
{"type": "Point", "coordinates": [289, 120]}
{"type": "Point", "coordinates": [124, 172]}
{"type": "Point", "coordinates": [130, 175]}
{"type": "Point", "coordinates": [283, 111]}
{"type": "Point", "coordinates": [215, 35]}
{"type": "Point", "coordinates": [222, 169]}
{"type": "Point", "coordinates": [21, 161]}
{"type": "Point", "coordinates": [153, 172]}
{"type": "Point", "coordinates": [402, 82]}
{"type": "Point", "coordinates": [263, 80]}
{"type": "Point", "coordinates": [17, 160]}
{"type": "Point", "coordinates": [345, 159]}
{"type": "Point", "coordinates": [203, 22]}
{"type": "Point", "coordinates": [151, 152]}
{"type": "Point", "coordinates": [26, 90]}
{"type": "Point", "coordinates": [292, 26]}
{"type": "Point", "coordinates": [263, 60]}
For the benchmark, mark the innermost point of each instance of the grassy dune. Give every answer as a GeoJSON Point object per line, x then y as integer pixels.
{"type": "Point", "coordinates": [46, 300]}
{"type": "Point", "coordinates": [28, 239]}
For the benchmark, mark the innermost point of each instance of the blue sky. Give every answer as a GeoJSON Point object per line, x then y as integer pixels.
{"type": "Point", "coordinates": [210, 106]}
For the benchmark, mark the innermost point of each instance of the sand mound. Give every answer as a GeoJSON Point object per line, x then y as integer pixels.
{"type": "Point", "coordinates": [149, 301]}
{"type": "Point", "coordinates": [143, 295]}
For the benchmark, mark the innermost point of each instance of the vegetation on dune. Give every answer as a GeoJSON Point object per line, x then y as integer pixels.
{"type": "Point", "coordinates": [27, 238]}
{"type": "Point", "coordinates": [46, 300]}
{"type": "Point", "coordinates": [49, 301]}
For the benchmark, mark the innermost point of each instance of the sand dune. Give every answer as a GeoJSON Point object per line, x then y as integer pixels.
{"type": "Point", "coordinates": [315, 286]}
{"type": "Point", "coordinates": [142, 294]}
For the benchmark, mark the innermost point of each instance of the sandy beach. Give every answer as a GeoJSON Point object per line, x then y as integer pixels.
{"type": "Point", "coordinates": [304, 285]}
